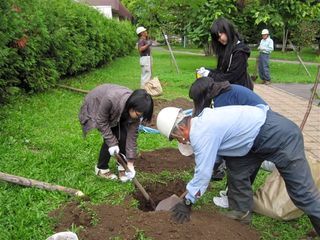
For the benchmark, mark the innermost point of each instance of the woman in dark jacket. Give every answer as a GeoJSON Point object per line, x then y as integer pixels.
{"type": "Point", "coordinates": [232, 55]}
{"type": "Point", "coordinates": [116, 112]}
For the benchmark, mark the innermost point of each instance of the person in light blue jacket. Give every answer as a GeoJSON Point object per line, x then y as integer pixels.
{"type": "Point", "coordinates": [245, 136]}
{"type": "Point", "coordinates": [265, 48]}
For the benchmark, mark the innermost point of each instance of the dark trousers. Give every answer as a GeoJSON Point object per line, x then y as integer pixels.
{"type": "Point", "coordinates": [104, 157]}
{"type": "Point", "coordinates": [263, 67]}
{"type": "Point", "coordinates": [281, 142]}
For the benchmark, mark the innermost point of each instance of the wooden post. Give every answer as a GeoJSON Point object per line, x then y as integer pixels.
{"type": "Point", "coordinates": [72, 88]}
{"type": "Point", "coordinates": [43, 185]}
{"type": "Point", "coordinates": [170, 50]}
{"type": "Point", "coordinates": [314, 91]}
{"type": "Point", "coordinates": [299, 58]}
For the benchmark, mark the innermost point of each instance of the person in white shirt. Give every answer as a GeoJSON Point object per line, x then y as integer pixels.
{"type": "Point", "coordinates": [244, 136]}
{"type": "Point", "coordinates": [265, 48]}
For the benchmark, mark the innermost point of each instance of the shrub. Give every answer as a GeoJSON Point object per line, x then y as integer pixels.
{"type": "Point", "coordinates": [42, 40]}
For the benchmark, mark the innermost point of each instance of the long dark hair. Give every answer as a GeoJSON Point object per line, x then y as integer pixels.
{"type": "Point", "coordinates": [203, 91]}
{"type": "Point", "coordinates": [223, 52]}
{"type": "Point", "coordinates": [140, 101]}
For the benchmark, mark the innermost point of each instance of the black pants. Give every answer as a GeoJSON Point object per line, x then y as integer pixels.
{"type": "Point", "coordinates": [281, 142]}
{"type": "Point", "coordinates": [104, 157]}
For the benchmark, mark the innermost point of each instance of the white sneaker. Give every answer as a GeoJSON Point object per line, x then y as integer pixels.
{"type": "Point", "coordinates": [221, 201]}
{"type": "Point", "coordinates": [105, 173]}
{"type": "Point", "coordinates": [223, 193]}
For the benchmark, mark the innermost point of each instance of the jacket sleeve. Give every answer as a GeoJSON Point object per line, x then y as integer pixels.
{"type": "Point", "coordinates": [131, 142]}
{"type": "Point", "coordinates": [237, 68]}
{"type": "Point", "coordinates": [103, 123]}
{"type": "Point", "coordinates": [205, 156]}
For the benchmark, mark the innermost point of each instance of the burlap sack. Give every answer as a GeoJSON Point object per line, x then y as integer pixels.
{"type": "Point", "coordinates": [273, 200]}
{"type": "Point", "coordinates": [153, 87]}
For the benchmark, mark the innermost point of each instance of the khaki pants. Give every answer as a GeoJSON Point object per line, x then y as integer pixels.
{"type": "Point", "coordinates": [145, 63]}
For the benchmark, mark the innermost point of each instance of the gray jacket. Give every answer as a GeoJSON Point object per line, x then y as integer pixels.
{"type": "Point", "coordinates": [102, 109]}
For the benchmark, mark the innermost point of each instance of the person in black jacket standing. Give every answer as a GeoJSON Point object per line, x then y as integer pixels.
{"type": "Point", "coordinates": [232, 55]}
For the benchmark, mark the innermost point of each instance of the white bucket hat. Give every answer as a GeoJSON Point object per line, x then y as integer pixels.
{"type": "Point", "coordinates": [140, 30]}
{"type": "Point", "coordinates": [265, 31]}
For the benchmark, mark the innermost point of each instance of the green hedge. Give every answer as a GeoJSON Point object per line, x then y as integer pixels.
{"type": "Point", "coordinates": [42, 40]}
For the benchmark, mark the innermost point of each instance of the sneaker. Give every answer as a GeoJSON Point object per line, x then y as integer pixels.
{"type": "Point", "coordinates": [266, 82]}
{"type": "Point", "coordinates": [221, 201]}
{"type": "Point", "coordinates": [223, 193]}
{"type": "Point", "coordinates": [243, 217]}
{"type": "Point", "coordinates": [105, 173]}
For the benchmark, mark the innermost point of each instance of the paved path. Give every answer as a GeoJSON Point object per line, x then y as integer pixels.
{"type": "Point", "coordinates": [294, 108]}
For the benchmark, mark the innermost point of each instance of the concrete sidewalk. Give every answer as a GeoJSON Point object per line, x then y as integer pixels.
{"type": "Point", "coordinates": [294, 108]}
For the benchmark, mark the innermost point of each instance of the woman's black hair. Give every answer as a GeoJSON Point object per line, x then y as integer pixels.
{"type": "Point", "coordinates": [203, 91]}
{"type": "Point", "coordinates": [141, 101]}
{"type": "Point", "coordinates": [223, 52]}
{"type": "Point", "coordinates": [199, 92]}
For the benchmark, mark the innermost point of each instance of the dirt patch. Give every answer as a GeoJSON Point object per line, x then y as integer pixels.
{"type": "Point", "coordinates": [108, 222]}
{"type": "Point", "coordinates": [162, 103]}
{"type": "Point", "coordinates": [158, 192]}
{"type": "Point", "coordinates": [169, 159]}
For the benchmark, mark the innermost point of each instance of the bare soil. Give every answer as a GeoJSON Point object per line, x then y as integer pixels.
{"type": "Point", "coordinates": [103, 221]}
{"type": "Point", "coordinates": [165, 159]}
{"type": "Point", "coordinates": [162, 103]}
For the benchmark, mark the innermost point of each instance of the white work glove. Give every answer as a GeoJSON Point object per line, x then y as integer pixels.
{"type": "Point", "coordinates": [113, 150]}
{"type": "Point", "coordinates": [202, 72]}
{"type": "Point", "coordinates": [130, 175]}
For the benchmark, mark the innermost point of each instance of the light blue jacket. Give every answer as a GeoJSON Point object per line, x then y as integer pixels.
{"type": "Point", "coordinates": [266, 45]}
{"type": "Point", "coordinates": [223, 131]}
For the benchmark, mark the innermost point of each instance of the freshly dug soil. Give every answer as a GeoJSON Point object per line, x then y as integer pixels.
{"type": "Point", "coordinates": [158, 192]}
{"type": "Point", "coordinates": [169, 159]}
{"type": "Point", "coordinates": [162, 103]}
{"type": "Point", "coordinates": [102, 222]}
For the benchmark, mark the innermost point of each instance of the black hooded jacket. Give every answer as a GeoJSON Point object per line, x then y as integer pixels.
{"type": "Point", "coordinates": [236, 72]}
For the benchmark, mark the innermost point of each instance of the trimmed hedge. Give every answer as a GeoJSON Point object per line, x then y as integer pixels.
{"type": "Point", "coordinates": [43, 40]}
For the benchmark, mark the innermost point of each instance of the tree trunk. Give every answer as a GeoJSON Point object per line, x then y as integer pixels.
{"type": "Point", "coordinates": [208, 51]}
{"type": "Point", "coordinates": [284, 38]}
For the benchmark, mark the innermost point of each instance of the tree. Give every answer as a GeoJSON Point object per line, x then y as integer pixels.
{"type": "Point", "coordinates": [286, 14]}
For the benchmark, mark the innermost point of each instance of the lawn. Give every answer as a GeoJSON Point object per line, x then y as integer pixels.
{"type": "Point", "coordinates": [40, 138]}
{"type": "Point", "coordinates": [306, 54]}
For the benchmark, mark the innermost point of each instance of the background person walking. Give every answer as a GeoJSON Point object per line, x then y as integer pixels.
{"type": "Point", "coordinates": [265, 48]}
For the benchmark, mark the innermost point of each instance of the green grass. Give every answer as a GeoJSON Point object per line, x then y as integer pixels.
{"type": "Point", "coordinates": [40, 138]}
{"type": "Point", "coordinates": [306, 54]}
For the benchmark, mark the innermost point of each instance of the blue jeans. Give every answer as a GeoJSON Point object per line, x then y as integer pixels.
{"type": "Point", "coordinates": [264, 67]}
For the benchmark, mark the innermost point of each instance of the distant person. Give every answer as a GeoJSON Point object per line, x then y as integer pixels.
{"type": "Point", "coordinates": [144, 49]}
{"type": "Point", "coordinates": [232, 55]}
{"type": "Point", "coordinates": [116, 112]}
{"type": "Point", "coordinates": [265, 48]}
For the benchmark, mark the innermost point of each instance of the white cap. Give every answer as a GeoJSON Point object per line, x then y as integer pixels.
{"type": "Point", "coordinates": [140, 30]}
{"type": "Point", "coordinates": [185, 149]}
{"type": "Point", "coordinates": [166, 120]}
{"type": "Point", "coordinates": [265, 31]}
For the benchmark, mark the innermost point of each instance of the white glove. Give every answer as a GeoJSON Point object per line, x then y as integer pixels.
{"type": "Point", "coordinates": [130, 175]}
{"type": "Point", "coordinates": [113, 150]}
{"type": "Point", "coordinates": [202, 72]}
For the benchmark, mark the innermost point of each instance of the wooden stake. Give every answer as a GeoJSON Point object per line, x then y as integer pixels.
{"type": "Point", "coordinates": [43, 185]}
{"type": "Point", "coordinates": [72, 88]}
{"type": "Point", "coordinates": [314, 91]}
